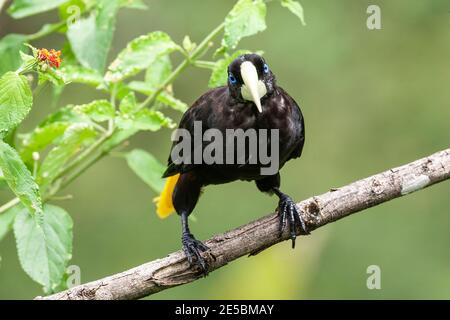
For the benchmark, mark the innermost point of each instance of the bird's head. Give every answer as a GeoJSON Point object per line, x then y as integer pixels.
{"type": "Point", "coordinates": [250, 79]}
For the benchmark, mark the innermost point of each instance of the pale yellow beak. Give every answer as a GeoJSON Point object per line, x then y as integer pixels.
{"type": "Point", "coordinates": [253, 89]}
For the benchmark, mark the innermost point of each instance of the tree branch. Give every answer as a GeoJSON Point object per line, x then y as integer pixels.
{"type": "Point", "coordinates": [258, 235]}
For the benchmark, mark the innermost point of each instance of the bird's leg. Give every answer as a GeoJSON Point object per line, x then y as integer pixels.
{"type": "Point", "coordinates": [191, 246]}
{"type": "Point", "coordinates": [287, 211]}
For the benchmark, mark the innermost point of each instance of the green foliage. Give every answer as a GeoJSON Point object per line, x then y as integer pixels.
{"type": "Point", "coordinates": [147, 167]}
{"type": "Point", "coordinates": [77, 74]}
{"type": "Point", "coordinates": [128, 104]}
{"type": "Point", "coordinates": [3, 183]}
{"type": "Point", "coordinates": [64, 114]}
{"type": "Point", "coordinates": [19, 178]}
{"type": "Point", "coordinates": [144, 120]}
{"type": "Point", "coordinates": [40, 138]}
{"type": "Point", "coordinates": [91, 37]}
{"type": "Point", "coordinates": [53, 76]}
{"type": "Point", "coordinates": [73, 137]}
{"type": "Point", "coordinates": [132, 117]}
{"type": "Point", "coordinates": [167, 99]}
{"type": "Point", "coordinates": [7, 220]}
{"type": "Point", "coordinates": [140, 54]}
{"type": "Point", "coordinates": [133, 4]}
{"type": "Point", "coordinates": [247, 18]}
{"type": "Point", "coordinates": [16, 100]}
{"type": "Point", "coordinates": [71, 142]}
{"type": "Point", "coordinates": [10, 45]}
{"type": "Point", "coordinates": [25, 8]}
{"type": "Point", "coordinates": [44, 248]}
{"type": "Point", "coordinates": [164, 97]}
{"type": "Point", "coordinates": [97, 110]}
{"type": "Point", "coordinates": [158, 71]}
{"type": "Point", "coordinates": [296, 8]}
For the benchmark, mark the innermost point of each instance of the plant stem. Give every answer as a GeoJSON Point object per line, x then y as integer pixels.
{"type": "Point", "coordinates": [204, 64]}
{"type": "Point", "coordinates": [82, 169]}
{"type": "Point", "coordinates": [26, 68]}
{"type": "Point", "coordinates": [113, 95]}
{"type": "Point", "coordinates": [46, 31]}
{"type": "Point", "coordinates": [84, 155]}
{"type": "Point", "coordinates": [9, 205]}
{"type": "Point", "coordinates": [198, 52]}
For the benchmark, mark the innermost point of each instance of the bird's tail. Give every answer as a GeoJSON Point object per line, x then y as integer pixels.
{"type": "Point", "coordinates": [164, 205]}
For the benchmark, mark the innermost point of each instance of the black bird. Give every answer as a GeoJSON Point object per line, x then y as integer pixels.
{"type": "Point", "coordinates": [251, 100]}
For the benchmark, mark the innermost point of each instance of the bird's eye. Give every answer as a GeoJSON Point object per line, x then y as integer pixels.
{"type": "Point", "coordinates": [232, 79]}
{"type": "Point", "coordinates": [266, 68]}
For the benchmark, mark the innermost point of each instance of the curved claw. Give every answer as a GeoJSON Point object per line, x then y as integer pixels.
{"type": "Point", "coordinates": [192, 248]}
{"type": "Point", "coordinates": [287, 210]}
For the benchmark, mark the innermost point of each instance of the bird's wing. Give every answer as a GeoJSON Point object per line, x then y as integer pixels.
{"type": "Point", "coordinates": [297, 152]}
{"type": "Point", "coordinates": [300, 126]}
{"type": "Point", "coordinates": [201, 110]}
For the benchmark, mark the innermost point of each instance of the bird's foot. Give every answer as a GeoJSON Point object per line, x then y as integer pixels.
{"type": "Point", "coordinates": [192, 248]}
{"type": "Point", "coordinates": [287, 211]}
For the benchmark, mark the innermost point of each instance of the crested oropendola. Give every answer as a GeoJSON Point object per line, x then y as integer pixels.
{"type": "Point", "coordinates": [251, 99]}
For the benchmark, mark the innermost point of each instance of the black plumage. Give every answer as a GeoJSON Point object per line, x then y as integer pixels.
{"type": "Point", "coordinates": [226, 108]}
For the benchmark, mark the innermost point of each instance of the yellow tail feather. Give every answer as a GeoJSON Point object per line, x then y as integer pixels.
{"type": "Point", "coordinates": [164, 205]}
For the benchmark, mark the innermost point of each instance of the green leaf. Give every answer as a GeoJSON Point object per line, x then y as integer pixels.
{"type": "Point", "coordinates": [3, 182]}
{"type": "Point", "coordinates": [97, 110]}
{"type": "Point", "coordinates": [147, 167]}
{"type": "Point", "coordinates": [68, 55]}
{"type": "Point", "coordinates": [44, 249]}
{"type": "Point", "coordinates": [72, 71]}
{"type": "Point", "coordinates": [91, 37]}
{"type": "Point", "coordinates": [219, 74]}
{"type": "Point", "coordinates": [296, 8]}
{"type": "Point", "coordinates": [247, 18]}
{"type": "Point", "coordinates": [54, 76]}
{"type": "Point", "coordinates": [117, 138]}
{"type": "Point", "coordinates": [10, 47]}
{"type": "Point", "coordinates": [158, 71]}
{"type": "Point", "coordinates": [19, 179]}
{"type": "Point", "coordinates": [167, 99]}
{"type": "Point", "coordinates": [45, 30]}
{"type": "Point", "coordinates": [26, 58]}
{"type": "Point", "coordinates": [64, 114]}
{"type": "Point", "coordinates": [128, 104]}
{"type": "Point", "coordinates": [7, 220]}
{"type": "Point", "coordinates": [140, 54]}
{"type": "Point", "coordinates": [164, 97]}
{"type": "Point", "coordinates": [133, 4]}
{"type": "Point", "coordinates": [78, 74]}
{"type": "Point", "coordinates": [16, 100]}
{"type": "Point", "coordinates": [144, 119]}
{"type": "Point", "coordinates": [40, 138]}
{"type": "Point", "coordinates": [141, 87]}
{"type": "Point", "coordinates": [25, 8]}
{"type": "Point", "coordinates": [122, 90]}
{"type": "Point", "coordinates": [72, 141]}
{"type": "Point", "coordinates": [188, 45]}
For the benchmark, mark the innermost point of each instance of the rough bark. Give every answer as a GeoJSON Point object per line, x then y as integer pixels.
{"type": "Point", "coordinates": [258, 235]}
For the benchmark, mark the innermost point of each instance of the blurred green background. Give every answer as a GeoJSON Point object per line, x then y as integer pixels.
{"type": "Point", "coordinates": [371, 99]}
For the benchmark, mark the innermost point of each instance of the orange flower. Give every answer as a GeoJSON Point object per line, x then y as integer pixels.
{"type": "Point", "coordinates": [53, 57]}
{"type": "Point", "coordinates": [43, 54]}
